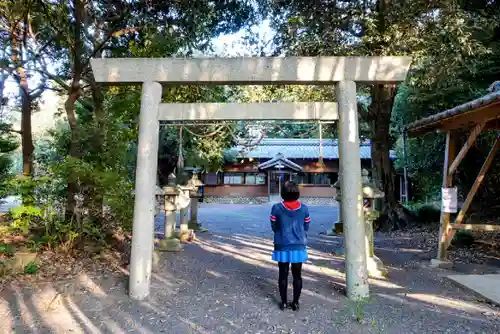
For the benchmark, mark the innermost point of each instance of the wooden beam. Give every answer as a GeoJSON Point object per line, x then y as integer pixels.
{"type": "Point", "coordinates": [471, 118]}
{"type": "Point", "coordinates": [472, 192]}
{"type": "Point", "coordinates": [475, 227]}
{"type": "Point", "coordinates": [468, 144]}
{"type": "Point", "coordinates": [461, 120]}
{"type": "Point", "coordinates": [493, 125]}
{"type": "Point", "coordinates": [248, 111]}
{"type": "Point", "coordinates": [445, 220]}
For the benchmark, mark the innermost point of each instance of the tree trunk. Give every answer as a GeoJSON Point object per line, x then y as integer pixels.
{"type": "Point", "coordinates": [74, 94]}
{"type": "Point", "coordinates": [383, 172]}
{"type": "Point", "coordinates": [96, 200]}
{"type": "Point", "coordinates": [26, 132]}
{"type": "Point", "coordinates": [18, 40]}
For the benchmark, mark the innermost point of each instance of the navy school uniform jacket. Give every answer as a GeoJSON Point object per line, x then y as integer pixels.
{"type": "Point", "coordinates": [290, 222]}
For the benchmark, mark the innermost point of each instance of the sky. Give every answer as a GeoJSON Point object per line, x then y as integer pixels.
{"type": "Point", "coordinates": [228, 45]}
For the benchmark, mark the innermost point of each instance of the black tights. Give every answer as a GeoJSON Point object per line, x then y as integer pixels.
{"type": "Point", "coordinates": [283, 280]}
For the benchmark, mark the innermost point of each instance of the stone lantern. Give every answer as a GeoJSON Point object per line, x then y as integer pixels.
{"type": "Point", "coordinates": [171, 193]}
{"type": "Point", "coordinates": [172, 180]}
{"type": "Point", "coordinates": [159, 200]}
{"type": "Point", "coordinates": [371, 193]}
{"type": "Point", "coordinates": [195, 193]}
{"type": "Point", "coordinates": [183, 203]}
{"type": "Point", "coordinates": [338, 226]}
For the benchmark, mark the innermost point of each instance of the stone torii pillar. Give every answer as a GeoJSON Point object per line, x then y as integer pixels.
{"type": "Point", "coordinates": [352, 198]}
{"type": "Point", "coordinates": [141, 258]}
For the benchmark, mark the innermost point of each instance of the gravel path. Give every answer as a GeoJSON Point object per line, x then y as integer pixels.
{"type": "Point", "coordinates": [226, 283]}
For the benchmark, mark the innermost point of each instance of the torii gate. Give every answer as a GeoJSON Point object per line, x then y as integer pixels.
{"type": "Point", "coordinates": [344, 72]}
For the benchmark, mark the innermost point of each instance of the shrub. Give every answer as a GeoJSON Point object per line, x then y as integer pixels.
{"type": "Point", "coordinates": [23, 217]}
{"type": "Point", "coordinates": [425, 213]}
{"type": "Point", "coordinates": [31, 269]}
{"type": "Point", "coordinates": [6, 250]}
{"type": "Point", "coordinates": [463, 238]}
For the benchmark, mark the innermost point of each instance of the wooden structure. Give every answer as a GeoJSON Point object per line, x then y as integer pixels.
{"type": "Point", "coordinates": [477, 116]}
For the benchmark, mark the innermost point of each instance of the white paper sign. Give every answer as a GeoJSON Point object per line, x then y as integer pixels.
{"type": "Point", "coordinates": [449, 200]}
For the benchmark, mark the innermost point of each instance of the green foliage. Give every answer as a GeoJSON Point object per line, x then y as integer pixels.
{"type": "Point", "coordinates": [93, 160]}
{"type": "Point", "coordinates": [203, 145]}
{"type": "Point", "coordinates": [31, 269]}
{"type": "Point", "coordinates": [23, 217]}
{"type": "Point", "coordinates": [455, 49]}
{"type": "Point", "coordinates": [458, 62]}
{"type": "Point", "coordinates": [43, 220]}
{"type": "Point", "coordinates": [6, 250]}
{"type": "Point", "coordinates": [104, 178]}
{"type": "Point", "coordinates": [285, 93]}
{"type": "Point", "coordinates": [425, 213]}
{"type": "Point", "coordinates": [8, 144]}
{"type": "Point", "coordinates": [424, 156]}
{"type": "Point", "coordinates": [358, 308]}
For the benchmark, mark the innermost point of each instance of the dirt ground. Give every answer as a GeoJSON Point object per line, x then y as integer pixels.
{"type": "Point", "coordinates": [226, 283]}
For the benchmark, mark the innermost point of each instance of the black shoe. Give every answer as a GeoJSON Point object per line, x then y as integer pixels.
{"type": "Point", "coordinates": [294, 306]}
{"type": "Point", "coordinates": [283, 306]}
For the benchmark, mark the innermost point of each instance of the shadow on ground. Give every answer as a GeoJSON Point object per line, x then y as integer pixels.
{"type": "Point", "coordinates": [226, 283]}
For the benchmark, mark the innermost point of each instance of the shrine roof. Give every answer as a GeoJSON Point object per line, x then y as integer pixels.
{"type": "Point", "coordinates": [297, 148]}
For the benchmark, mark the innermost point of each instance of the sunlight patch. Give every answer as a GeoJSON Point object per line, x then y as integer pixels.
{"type": "Point", "coordinates": [90, 285]}
{"type": "Point", "coordinates": [448, 302]}
{"type": "Point", "coordinates": [215, 274]}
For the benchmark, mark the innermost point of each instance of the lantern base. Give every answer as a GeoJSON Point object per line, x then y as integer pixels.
{"type": "Point", "coordinates": [339, 228]}
{"type": "Point", "coordinates": [169, 245]}
{"type": "Point", "coordinates": [375, 267]}
{"type": "Point", "coordinates": [195, 226]}
{"type": "Point", "coordinates": [187, 236]}
{"type": "Point", "coordinates": [330, 233]}
{"type": "Point", "coordinates": [155, 261]}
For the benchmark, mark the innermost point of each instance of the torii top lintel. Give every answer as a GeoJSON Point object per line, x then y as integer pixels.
{"type": "Point", "coordinates": [251, 70]}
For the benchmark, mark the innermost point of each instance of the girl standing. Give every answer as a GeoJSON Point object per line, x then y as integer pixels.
{"type": "Point", "coordinates": [290, 223]}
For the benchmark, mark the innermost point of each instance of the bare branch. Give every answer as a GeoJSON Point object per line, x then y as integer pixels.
{"type": "Point", "coordinates": [17, 77]}
{"type": "Point", "coordinates": [57, 90]}
{"type": "Point", "coordinates": [66, 87]}
{"type": "Point", "coordinates": [111, 34]}
{"type": "Point", "coordinates": [37, 92]}
{"type": "Point", "coordinates": [55, 78]}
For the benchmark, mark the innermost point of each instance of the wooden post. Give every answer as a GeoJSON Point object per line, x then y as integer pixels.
{"type": "Point", "coordinates": [444, 228]}
{"type": "Point", "coordinates": [468, 144]}
{"type": "Point", "coordinates": [472, 192]}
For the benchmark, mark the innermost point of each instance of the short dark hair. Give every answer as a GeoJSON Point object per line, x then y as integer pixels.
{"type": "Point", "coordinates": [290, 191]}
